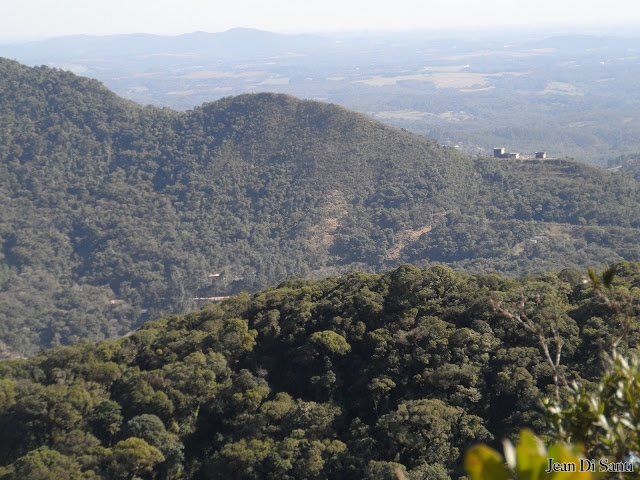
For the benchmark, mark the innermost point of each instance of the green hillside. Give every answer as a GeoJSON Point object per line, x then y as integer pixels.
{"type": "Point", "coordinates": [113, 213]}
{"type": "Point", "coordinates": [340, 378]}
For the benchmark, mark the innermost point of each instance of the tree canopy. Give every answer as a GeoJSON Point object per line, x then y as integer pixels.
{"type": "Point", "coordinates": [358, 376]}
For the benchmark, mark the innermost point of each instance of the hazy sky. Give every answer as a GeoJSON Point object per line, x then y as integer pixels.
{"type": "Point", "coordinates": [31, 18]}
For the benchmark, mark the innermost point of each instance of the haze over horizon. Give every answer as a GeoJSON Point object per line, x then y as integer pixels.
{"type": "Point", "coordinates": [31, 19]}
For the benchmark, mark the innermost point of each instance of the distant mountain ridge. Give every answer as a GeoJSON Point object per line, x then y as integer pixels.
{"type": "Point", "coordinates": [223, 44]}
{"type": "Point", "coordinates": [115, 213]}
{"type": "Point", "coordinates": [569, 94]}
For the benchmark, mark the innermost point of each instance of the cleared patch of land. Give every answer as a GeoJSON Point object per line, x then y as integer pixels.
{"type": "Point", "coordinates": [221, 74]}
{"type": "Point", "coordinates": [275, 81]}
{"type": "Point", "coordinates": [182, 92]}
{"type": "Point", "coordinates": [402, 115]}
{"type": "Point", "coordinates": [439, 79]}
{"type": "Point", "coordinates": [471, 90]}
{"type": "Point", "coordinates": [405, 238]}
{"type": "Point", "coordinates": [418, 115]}
{"type": "Point", "coordinates": [561, 88]}
{"type": "Point", "coordinates": [322, 234]}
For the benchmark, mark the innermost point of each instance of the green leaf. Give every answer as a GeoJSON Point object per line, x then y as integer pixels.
{"type": "Point", "coordinates": [484, 463]}
{"type": "Point", "coordinates": [530, 456]}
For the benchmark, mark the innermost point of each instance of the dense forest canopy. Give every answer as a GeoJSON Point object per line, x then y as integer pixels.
{"type": "Point", "coordinates": [113, 213]}
{"type": "Point", "coordinates": [356, 376]}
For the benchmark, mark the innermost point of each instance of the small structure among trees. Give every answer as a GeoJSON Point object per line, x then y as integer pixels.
{"type": "Point", "coordinates": [500, 153]}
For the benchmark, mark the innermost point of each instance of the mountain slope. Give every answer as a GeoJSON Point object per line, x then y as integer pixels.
{"type": "Point", "coordinates": [116, 213]}
{"type": "Point", "coordinates": [340, 378]}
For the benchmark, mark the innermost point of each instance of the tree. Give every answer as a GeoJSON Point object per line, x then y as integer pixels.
{"type": "Point", "coordinates": [151, 429]}
{"type": "Point", "coordinates": [330, 343]}
{"type": "Point", "coordinates": [133, 457]}
{"type": "Point", "coordinates": [46, 464]}
{"type": "Point", "coordinates": [542, 313]}
{"type": "Point", "coordinates": [105, 421]}
{"type": "Point", "coordinates": [428, 431]}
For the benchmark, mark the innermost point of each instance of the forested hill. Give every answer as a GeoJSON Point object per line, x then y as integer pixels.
{"type": "Point", "coordinates": [340, 378]}
{"type": "Point", "coordinates": [113, 213]}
